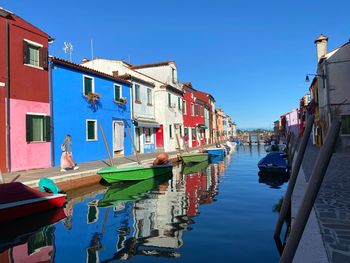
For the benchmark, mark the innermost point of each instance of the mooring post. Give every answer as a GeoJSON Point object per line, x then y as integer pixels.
{"type": "Point", "coordinates": [311, 192]}
{"type": "Point", "coordinates": [1, 178]}
{"type": "Point", "coordinates": [293, 178]}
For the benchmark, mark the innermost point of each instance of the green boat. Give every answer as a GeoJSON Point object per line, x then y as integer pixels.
{"type": "Point", "coordinates": [130, 191]}
{"type": "Point", "coordinates": [135, 173]}
{"type": "Point", "coordinates": [195, 168]}
{"type": "Point", "coordinates": [194, 157]}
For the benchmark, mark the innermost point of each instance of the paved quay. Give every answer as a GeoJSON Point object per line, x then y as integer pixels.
{"type": "Point", "coordinates": [85, 175]}
{"type": "Point", "coordinates": [331, 210]}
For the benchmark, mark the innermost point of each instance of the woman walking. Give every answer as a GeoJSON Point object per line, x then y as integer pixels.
{"type": "Point", "coordinates": [67, 162]}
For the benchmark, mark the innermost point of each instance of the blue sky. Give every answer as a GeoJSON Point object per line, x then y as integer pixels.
{"type": "Point", "coordinates": [252, 56]}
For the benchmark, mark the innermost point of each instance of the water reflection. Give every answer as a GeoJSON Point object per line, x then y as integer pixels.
{"type": "Point", "coordinates": [274, 180]}
{"type": "Point", "coordinates": [30, 239]}
{"type": "Point", "coordinates": [148, 218]}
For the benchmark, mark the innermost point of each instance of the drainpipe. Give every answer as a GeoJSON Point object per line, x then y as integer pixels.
{"type": "Point", "coordinates": [7, 109]}
{"type": "Point", "coordinates": [51, 115]}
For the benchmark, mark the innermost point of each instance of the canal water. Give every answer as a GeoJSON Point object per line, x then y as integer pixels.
{"type": "Point", "coordinates": [221, 212]}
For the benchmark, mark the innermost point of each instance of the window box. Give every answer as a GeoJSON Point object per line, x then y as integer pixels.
{"type": "Point", "coordinates": [122, 101]}
{"type": "Point", "coordinates": [93, 98]}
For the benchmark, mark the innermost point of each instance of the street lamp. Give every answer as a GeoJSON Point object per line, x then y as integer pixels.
{"type": "Point", "coordinates": [316, 75]}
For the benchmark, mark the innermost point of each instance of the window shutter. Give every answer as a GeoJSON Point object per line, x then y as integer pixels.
{"type": "Point", "coordinates": [29, 129]}
{"type": "Point", "coordinates": [25, 53]}
{"type": "Point", "coordinates": [43, 57]}
{"type": "Point", "coordinates": [47, 129]}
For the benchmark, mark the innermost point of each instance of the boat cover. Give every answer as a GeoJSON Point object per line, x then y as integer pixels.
{"type": "Point", "coordinates": [275, 159]}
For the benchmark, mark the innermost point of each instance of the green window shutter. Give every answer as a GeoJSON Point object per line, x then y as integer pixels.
{"type": "Point", "coordinates": [179, 103]}
{"type": "Point", "coordinates": [170, 131]}
{"type": "Point", "coordinates": [91, 130]}
{"type": "Point", "coordinates": [25, 53]}
{"type": "Point", "coordinates": [345, 126]}
{"type": "Point", "coordinates": [29, 128]}
{"type": "Point", "coordinates": [87, 85]}
{"type": "Point", "coordinates": [196, 109]}
{"type": "Point", "coordinates": [47, 129]}
{"type": "Point", "coordinates": [169, 99]}
{"type": "Point", "coordinates": [116, 92]}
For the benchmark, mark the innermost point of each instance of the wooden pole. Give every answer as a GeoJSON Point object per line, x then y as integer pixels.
{"type": "Point", "coordinates": [293, 178]}
{"type": "Point", "coordinates": [311, 192]}
{"type": "Point", "coordinates": [178, 142]}
{"type": "Point", "coordinates": [133, 145]}
{"type": "Point", "coordinates": [1, 178]}
{"type": "Point", "coordinates": [106, 145]}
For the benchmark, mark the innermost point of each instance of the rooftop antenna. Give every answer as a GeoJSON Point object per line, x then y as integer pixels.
{"type": "Point", "coordinates": [92, 48]}
{"type": "Point", "coordinates": [68, 48]}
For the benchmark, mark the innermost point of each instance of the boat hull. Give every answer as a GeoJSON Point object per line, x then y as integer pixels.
{"type": "Point", "coordinates": [137, 173]}
{"type": "Point", "coordinates": [20, 209]}
{"type": "Point", "coordinates": [194, 157]}
{"type": "Point", "coordinates": [216, 151]}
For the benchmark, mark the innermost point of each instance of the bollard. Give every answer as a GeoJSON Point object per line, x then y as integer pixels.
{"type": "Point", "coordinates": [311, 192]}
{"type": "Point", "coordinates": [293, 178]}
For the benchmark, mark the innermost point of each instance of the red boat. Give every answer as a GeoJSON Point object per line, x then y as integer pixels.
{"type": "Point", "coordinates": [18, 200]}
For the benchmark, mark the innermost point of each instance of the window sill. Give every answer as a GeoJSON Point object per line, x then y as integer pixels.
{"type": "Point", "coordinates": [32, 66]}
{"type": "Point", "coordinates": [138, 102]}
{"type": "Point", "coordinates": [92, 140]}
{"type": "Point", "coordinates": [34, 142]}
{"type": "Point", "coordinates": [148, 104]}
{"type": "Point", "coordinates": [149, 143]}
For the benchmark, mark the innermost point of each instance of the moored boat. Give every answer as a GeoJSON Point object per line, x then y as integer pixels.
{"type": "Point", "coordinates": [114, 174]}
{"type": "Point", "coordinates": [18, 200]}
{"type": "Point", "coordinates": [274, 162]}
{"type": "Point", "coordinates": [220, 151]}
{"type": "Point", "coordinates": [194, 157]}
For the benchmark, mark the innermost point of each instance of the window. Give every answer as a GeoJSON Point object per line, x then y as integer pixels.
{"type": "Point", "coordinates": [91, 130]}
{"type": "Point", "coordinates": [37, 128]}
{"type": "Point", "coordinates": [192, 109]}
{"type": "Point", "coordinates": [34, 54]}
{"type": "Point", "coordinates": [173, 75]}
{"type": "Point", "coordinates": [149, 97]}
{"type": "Point", "coordinates": [179, 103]}
{"type": "Point", "coordinates": [117, 92]}
{"type": "Point", "coordinates": [88, 85]}
{"type": "Point", "coordinates": [170, 131]}
{"type": "Point", "coordinates": [148, 135]}
{"type": "Point", "coordinates": [184, 110]}
{"type": "Point", "coordinates": [169, 100]}
{"type": "Point", "coordinates": [137, 93]}
{"type": "Point", "coordinates": [345, 126]}
{"type": "Point", "coordinates": [194, 134]}
{"type": "Point", "coordinates": [197, 110]}
{"type": "Point", "coordinates": [180, 131]}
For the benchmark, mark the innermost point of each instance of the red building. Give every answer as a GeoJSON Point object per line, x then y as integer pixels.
{"type": "Point", "coordinates": [208, 104]}
{"type": "Point", "coordinates": [24, 95]}
{"type": "Point", "coordinates": [193, 116]}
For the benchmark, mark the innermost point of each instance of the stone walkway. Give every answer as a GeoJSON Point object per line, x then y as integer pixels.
{"type": "Point", "coordinates": [332, 205]}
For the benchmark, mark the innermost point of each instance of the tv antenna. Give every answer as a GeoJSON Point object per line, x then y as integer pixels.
{"type": "Point", "coordinates": [68, 48]}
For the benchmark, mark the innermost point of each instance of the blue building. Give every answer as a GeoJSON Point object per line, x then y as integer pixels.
{"type": "Point", "coordinates": [82, 100]}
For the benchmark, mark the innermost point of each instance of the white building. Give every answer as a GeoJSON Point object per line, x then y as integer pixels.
{"type": "Point", "coordinates": [333, 87]}
{"type": "Point", "coordinates": [168, 99]}
{"type": "Point", "coordinates": [143, 101]}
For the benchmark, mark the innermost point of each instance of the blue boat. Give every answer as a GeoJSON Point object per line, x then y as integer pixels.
{"type": "Point", "coordinates": [274, 162]}
{"type": "Point", "coordinates": [216, 151]}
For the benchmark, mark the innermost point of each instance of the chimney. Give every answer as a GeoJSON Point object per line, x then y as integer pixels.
{"type": "Point", "coordinates": [321, 46]}
{"type": "Point", "coordinates": [115, 74]}
{"type": "Point", "coordinates": [84, 60]}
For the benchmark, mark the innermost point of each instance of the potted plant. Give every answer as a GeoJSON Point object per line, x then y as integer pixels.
{"type": "Point", "coordinates": [93, 97]}
{"type": "Point", "coordinates": [122, 100]}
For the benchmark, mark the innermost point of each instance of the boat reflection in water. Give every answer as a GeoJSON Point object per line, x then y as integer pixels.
{"type": "Point", "coordinates": [273, 180]}
{"type": "Point", "coordinates": [30, 239]}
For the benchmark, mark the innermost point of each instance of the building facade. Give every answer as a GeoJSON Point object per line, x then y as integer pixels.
{"type": "Point", "coordinates": [24, 95]}
{"type": "Point", "coordinates": [83, 100]}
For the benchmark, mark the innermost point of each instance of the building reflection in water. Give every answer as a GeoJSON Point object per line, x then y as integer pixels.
{"type": "Point", "coordinates": [31, 239]}
{"type": "Point", "coordinates": [155, 225]}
